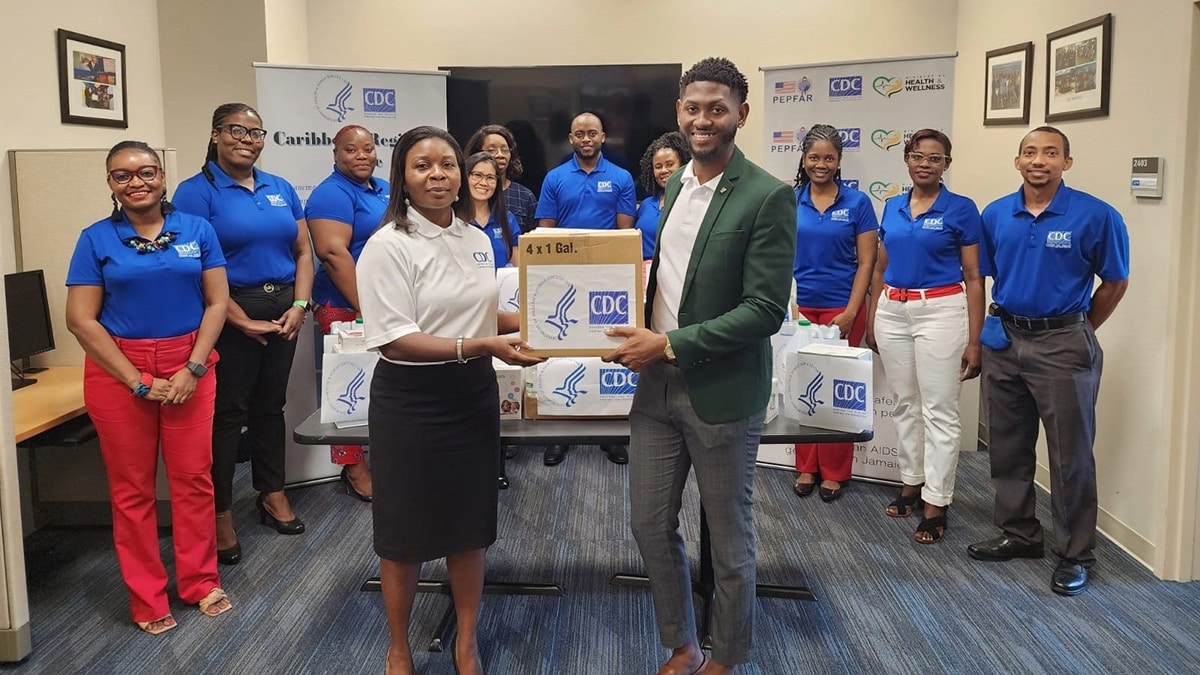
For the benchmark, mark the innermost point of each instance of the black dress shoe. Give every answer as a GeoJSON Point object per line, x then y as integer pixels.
{"type": "Point", "coordinates": [502, 483]}
{"type": "Point", "coordinates": [293, 526]}
{"type": "Point", "coordinates": [1005, 548]}
{"type": "Point", "coordinates": [554, 454]}
{"type": "Point", "coordinates": [617, 454]}
{"type": "Point", "coordinates": [804, 489]}
{"type": "Point", "coordinates": [510, 451]}
{"type": "Point", "coordinates": [1069, 578]}
{"type": "Point", "coordinates": [828, 495]}
{"type": "Point", "coordinates": [230, 556]}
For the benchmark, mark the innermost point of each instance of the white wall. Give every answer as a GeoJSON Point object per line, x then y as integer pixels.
{"type": "Point", "coordinates": [752, 33]}
{"type": "Point", "coordinates": [287, 31]}
{"type": "Point", "coordinates": [1148, 117]}
{"type": "Point", "coordinates": [30, 119]}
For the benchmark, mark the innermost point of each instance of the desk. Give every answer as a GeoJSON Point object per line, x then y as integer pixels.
{"type": "Point", "coordinates": [56, 397]}
{"type": "Point", "coordinates": [589, 432]}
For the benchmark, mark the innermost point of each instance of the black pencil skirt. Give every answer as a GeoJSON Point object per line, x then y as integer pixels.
{"type": "Point", "coordinates": [435, 458]}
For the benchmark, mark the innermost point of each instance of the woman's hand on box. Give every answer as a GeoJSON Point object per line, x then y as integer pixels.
{"type": "Point", "coordinates": [511, 350]}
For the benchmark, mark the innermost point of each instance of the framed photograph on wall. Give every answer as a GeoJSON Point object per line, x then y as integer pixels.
{"type": "Point", "coordinates": [91, 81]}
{"type": "Point", "coordinates": [1079, 70]}
{"type": "Point", "coordinates": [1009, 79]}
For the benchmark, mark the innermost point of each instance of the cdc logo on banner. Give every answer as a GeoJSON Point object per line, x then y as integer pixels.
{"type": "Point", "coordinates": [607, 308]}
{"type": "Point", "coordinates": [849, 395]}
{"type": "Point", "coordinates": [851, 138]}
{"type": "Point", "coordinates": [379, 102]}
{"type": "Point", "coordinates": [850, 183]}
{"type": "Point", "coordinates": [617, 381]}
{"type": "Point", "coordinates": [845, 87]}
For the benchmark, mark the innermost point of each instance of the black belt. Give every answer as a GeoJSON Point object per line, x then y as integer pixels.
{"type": "Point", "coordinates": [1046, 323]}
{"type": "Point", "coordinates": [266, 287]}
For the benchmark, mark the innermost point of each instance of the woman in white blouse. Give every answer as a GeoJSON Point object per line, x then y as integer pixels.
{"type": "Point", "coordinates": [427, 290]}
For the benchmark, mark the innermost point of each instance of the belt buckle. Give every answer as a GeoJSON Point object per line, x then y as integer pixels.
{"type": "Point", "coordinates": [269, 287]}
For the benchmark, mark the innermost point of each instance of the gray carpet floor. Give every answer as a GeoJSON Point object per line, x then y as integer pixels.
{"type": "Point", "coordinates": [885, 604]}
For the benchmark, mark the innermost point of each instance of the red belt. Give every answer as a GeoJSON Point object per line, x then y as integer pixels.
{"type": "Point", "coordinates": [906, 294]}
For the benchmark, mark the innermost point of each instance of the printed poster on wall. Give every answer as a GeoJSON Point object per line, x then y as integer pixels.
{"type": "Point", "coordinates": [876, 107]}
{"type": "Point", "coordinates": [303, 107]}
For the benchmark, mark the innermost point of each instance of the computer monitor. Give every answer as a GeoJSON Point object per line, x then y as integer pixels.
{"type": "Point", "coordinates": [30, 330]}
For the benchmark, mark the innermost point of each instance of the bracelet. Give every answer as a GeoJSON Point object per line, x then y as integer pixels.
{"type": "Point", "coordinates": [458, 344]}
{"type": "Point", "coordinates": [143, 386]}
{"type": "Point", "coordinates": [302, 304]}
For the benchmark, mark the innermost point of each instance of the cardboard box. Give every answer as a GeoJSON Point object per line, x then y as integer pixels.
{"type": "Point", "coordinates": [830, 387]}
{"type": "Point", "coordinates": [511, 380]}
{"type": "Point", "coordinates": [346, 387]}
{"type": "Point", "coordinates": [569, 388]}
{"type": "Point", "coordinates": [509, 298]}
{"type": "Point", "coordinates": [577, 283]}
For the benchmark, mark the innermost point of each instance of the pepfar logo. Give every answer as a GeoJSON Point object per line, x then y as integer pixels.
{"type": "Point", "coordinates": [849, 395]}
{"type": "Point", "coordinates": [330, 97]}
{"type": "Point", "coordinates": [851, 138]}
{"type": "Point", "coordinates": [608, 308]}
{"type": "Point", "coordinates": [617, 382]}
{"type": "Point", "coordinates": [378, 102]}
{"type": "Point", "coordinates": [845, 87]}
{"type": "Point", "coordinates": [792, 91]}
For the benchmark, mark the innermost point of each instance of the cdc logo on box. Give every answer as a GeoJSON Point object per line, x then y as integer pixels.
{"type": "Point", "coordinates": [849, 395]}
{"type": "Point", "coordinates": [617, 382]}
{"type": "Point", "coordinates": [379, 101]}
{"type": "Point", "coordinates": [608, 308]}
{"type": "Point", "coordinates": [849, 86]}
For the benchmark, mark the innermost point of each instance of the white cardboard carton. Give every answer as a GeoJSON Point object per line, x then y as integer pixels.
{"type": "Point", "coordinates": [512, 389]}
{"type": "Point", "coordinates": [830, 387]}
{"type": "Point", "coordinates": [509, 298]}
{"type": "Point", "coordinates": [346, 387]}
{"type": "Point", "coordinates": [579, 387]}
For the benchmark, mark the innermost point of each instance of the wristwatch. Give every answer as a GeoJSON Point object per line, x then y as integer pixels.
{"type": "Point", "coordinates": [305, 305]}
{"type": "Point", "coordinates": [197, 369]}
{"type": "Point", "coordinates": [668, 353]}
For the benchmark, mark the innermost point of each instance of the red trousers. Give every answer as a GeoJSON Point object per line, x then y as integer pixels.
{"type": "Point", "coordinates": [131, 430]}
{"type": "Point", "coordinates": [326, 314]}
{"type": "Point", "coordinates": [832, 460]}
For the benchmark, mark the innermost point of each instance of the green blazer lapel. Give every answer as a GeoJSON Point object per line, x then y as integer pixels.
{"type": "Point", "coordinates": [733, 172]}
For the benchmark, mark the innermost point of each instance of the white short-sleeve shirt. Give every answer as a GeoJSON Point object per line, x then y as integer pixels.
{"type": "Point", "coordinates": [433, 280]}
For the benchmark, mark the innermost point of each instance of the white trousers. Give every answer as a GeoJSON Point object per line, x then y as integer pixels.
{"type": "Point", "coordinates": [920, 345]}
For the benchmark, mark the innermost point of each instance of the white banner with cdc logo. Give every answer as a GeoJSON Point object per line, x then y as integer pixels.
{"type": "Point", "coordinates": [875, 105]}
{"type": "Point", "coordinates": [304, 106]}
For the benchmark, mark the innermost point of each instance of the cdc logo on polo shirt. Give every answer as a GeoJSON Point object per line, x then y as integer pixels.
{"type": "Point", "coordinates": [617, 382]}
{"type": "Point", "coordinates": [607, 308]}
{"type": "Point", "coordinates": [849, 395]}
{"type": "Point", "coordinates": [379, 102]}
{"type": "Point", "coordinates": [1058, 239]}
{"type": "Point", "coordinates": [846, 87]}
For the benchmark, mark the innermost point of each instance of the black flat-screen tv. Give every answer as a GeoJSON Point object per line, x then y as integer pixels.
{"type": "Point", "coordinates": [30, 329]}
{"type": "Point", "coordinates": [636, 104]}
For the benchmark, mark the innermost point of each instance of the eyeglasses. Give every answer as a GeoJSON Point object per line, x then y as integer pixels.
{"type": "Point", "coordinates": [590, 133]}
{"type": "Point", "coordinates": [146, 173]}
{"type": "Point", "coordinates": [935, 160]}
{"type": "Point", "coordinates": [498, 151]}
{"type": "Point", "coordinates": [483, 177]}
{"type": "Point", "coordinates": [239, 132]}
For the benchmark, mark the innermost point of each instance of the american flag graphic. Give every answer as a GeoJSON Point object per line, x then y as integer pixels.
{"type": "Point", "coordinates": [788, 87]}
{"type": "Point", "coordinates": [783, 137]}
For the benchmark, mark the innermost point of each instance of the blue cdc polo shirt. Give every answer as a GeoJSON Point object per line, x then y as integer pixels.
{"type": "Point", "coordinates": [495, 234]}
{"type": "Point", "coordinates": [347, 201]}
{"type": "Point", "coordinates": [925, 252]}
{"type": "Point", "coordinates": [257, 229]}
{"type": "Point", "coordinates": [1045, 265]}
{"type": "Point", "coordinates": [827, 246]}
{"type": "Point", "coordinates": [647, 222]}
{"type": "Point", "coordinates": [591, 201]}
{"type": "Point", "coordinates": [148, 295]}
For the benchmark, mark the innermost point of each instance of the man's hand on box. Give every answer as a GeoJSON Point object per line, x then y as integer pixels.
{"type": "Point", "coordinates": [641, 347]}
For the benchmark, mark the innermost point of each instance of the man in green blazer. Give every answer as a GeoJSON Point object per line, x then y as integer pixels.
{"type": "Point", "coordinates": [718, 290]}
